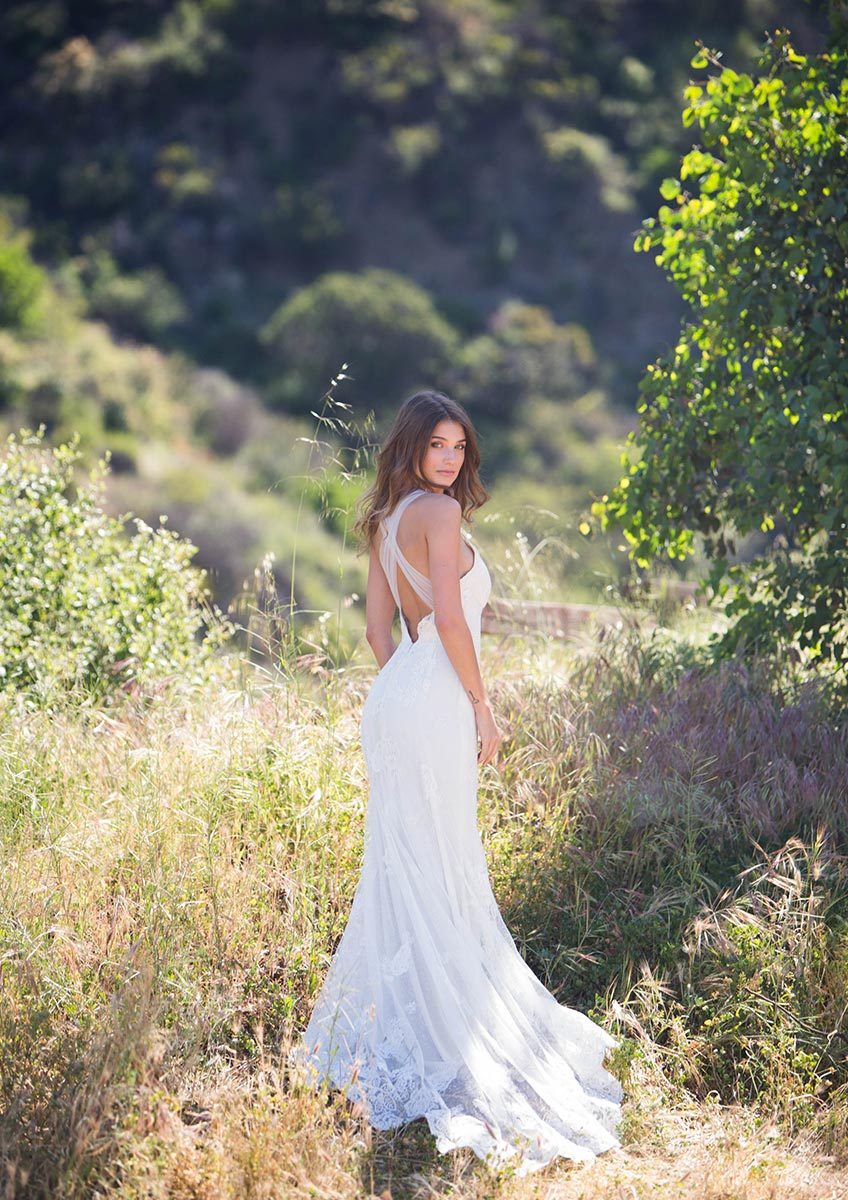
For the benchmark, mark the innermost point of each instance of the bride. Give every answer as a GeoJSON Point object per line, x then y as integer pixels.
{"type": "Point", "coordinates": [428, 1009]}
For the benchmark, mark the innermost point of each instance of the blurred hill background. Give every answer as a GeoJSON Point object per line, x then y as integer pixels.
{"type": "Point", "coordinates": [206, 208]}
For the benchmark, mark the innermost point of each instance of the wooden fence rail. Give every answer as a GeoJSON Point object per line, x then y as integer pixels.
{"type": "Point", "coordinates": [567, 620]}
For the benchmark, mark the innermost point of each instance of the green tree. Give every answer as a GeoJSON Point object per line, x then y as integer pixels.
{"type": "Point", "coordinates": [744, 425]}
{"type": "Point", "coordinates": [386, 327]}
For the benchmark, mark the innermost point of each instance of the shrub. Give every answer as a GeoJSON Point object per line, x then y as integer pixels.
{"type": "Point", "coordinates": [524, 352]}
{"type": "Point", "coordinates": [79, 380]}
{"type": "Point", "coordinates": [84, 609]}
{"type": "Point", "coordinates": [142, 304]}
{"type": "Point", "coordinates": [757, 1015]}
{"type": "Point", "coordinates": [386, 327]}
{"type": "Point", "coordinates": [414, 145]}
{"type": "Point", "coordinates": [589, 156]}
{"type": "Point", "coordinates": [224, 414]}
{"type": "Point", "coordinates": [22, 282]}
{"type": "Point", "coordinates": [767, 963]}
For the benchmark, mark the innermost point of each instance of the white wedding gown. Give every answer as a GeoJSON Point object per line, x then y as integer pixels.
{"type": "Point", "coordinates": [428, 1009]}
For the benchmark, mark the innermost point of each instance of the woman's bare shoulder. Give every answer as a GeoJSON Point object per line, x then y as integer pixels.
{"type": "Point", "coordinates": [439, 511]}
{"type": "Point", "coordinates": [438, 500]}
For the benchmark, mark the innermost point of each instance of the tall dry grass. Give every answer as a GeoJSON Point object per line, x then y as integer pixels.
{"type": "Point", "coordinates": [665, 843]}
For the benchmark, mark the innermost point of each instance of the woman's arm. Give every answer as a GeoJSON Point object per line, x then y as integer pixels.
{"type": "Point", "coordinates": [379, 610]}
{"type": "Point", "coordinates": [444, 541]}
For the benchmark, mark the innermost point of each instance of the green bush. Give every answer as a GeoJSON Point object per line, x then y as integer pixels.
{"type": "Point", "coordinates": [757, 1015]}
{"type": "Point", "coordinates": [142, 304]}
{"type": "Point", "coordinates": [22, 282]}
{"type": "Point", "coordinates": [80, 380]}
{"type": "Point", "coordinates": [524, 353]}
{"type": "Point", "coordinates": [306, 217]}
{"type": "Point", "coordinates": [580, 156]}
{"type": "Point", "coordinates": [384, 326]}
{"type": "Point", "coordinates": [186, 45]}
{"type": "Point", "coordinates": [84, 608]}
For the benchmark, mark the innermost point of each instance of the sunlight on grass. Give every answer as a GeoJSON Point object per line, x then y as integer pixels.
{"type": "Point", "coordinates": [176, 877]}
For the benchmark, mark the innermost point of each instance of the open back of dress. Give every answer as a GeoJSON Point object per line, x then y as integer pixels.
{"type": "Point", "coordinates": [392, 558]}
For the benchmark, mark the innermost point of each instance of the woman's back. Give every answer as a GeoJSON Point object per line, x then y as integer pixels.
{"type": "Point", "coordinates": [411, 538]}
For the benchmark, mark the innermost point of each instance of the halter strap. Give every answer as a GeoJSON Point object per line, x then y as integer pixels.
{"type": "Point", "coordinates": [392, 557]}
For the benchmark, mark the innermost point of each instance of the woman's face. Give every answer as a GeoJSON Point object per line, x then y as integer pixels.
{"type": "Point", "coordinates": [444, 455]}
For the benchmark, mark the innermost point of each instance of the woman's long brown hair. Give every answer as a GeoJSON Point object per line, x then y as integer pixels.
{"type": "Point", "coordinates": [399, 463]}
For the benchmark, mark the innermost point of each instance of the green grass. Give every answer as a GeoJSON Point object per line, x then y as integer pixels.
{"type": "Point", "coordinates": [665, 844]}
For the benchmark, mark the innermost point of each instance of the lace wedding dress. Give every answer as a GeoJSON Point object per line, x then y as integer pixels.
{"type": "Point", "coordinates": [428, 1009]}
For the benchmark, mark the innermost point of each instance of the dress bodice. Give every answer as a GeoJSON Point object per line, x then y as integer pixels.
{"type": "Point", "coordinates": [475, 584]}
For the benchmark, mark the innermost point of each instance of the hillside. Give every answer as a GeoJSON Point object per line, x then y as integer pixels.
{"type": "Point", "coordinates": [231, 200]}
{"type": "Point", "coordinates": [237, 151]}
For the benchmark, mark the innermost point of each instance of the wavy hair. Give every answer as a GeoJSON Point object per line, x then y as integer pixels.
{"type": "Point", "coordinates": [399, 463]}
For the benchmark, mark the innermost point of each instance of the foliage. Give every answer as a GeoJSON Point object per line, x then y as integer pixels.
{"type": "Point", "coordinates": [223, 414]}
{"type": "Point", "coordinates": [577, 153]}
{"type": "Point", "coordinates": [386, 327]}
{"type": "Point", "coordinates": [22, 282]}
{"type": "Point", "coordinates": [80, 380]}
{"type": "Point", "coordinates": [484, 149]}
{"type": "Point", "coordinates": [141, 304]}
{"type": "Point", "coordinates": [757, 1014]}
{"type": "Point", "coordinates": [414, 145]}
{"type": "Point", "coordinates": [186, 45]}
{"type": "Point", "coordinates": [84, 609]}
{"type": "Point", "coordinates": [668, 771]}
{"type": "Point", "coordinates": [767, 961]}
{"type": "Point", "coordinates": [744, 424]}
{"type": "Point", "coordinates": [525, 353]}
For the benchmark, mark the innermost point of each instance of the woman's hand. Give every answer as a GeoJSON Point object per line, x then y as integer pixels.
{"type": "Point", "coordinates": [489, 734]}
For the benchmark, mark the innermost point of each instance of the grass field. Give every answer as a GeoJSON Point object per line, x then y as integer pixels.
{"type": "Point", "coordinates": [666, 844]}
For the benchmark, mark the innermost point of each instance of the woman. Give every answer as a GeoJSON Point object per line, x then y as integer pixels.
{"type": "Point", "coordinates": [428, 1009]}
